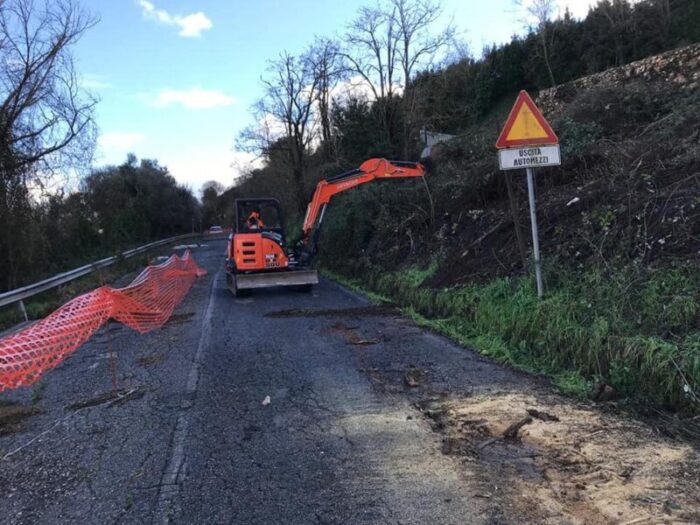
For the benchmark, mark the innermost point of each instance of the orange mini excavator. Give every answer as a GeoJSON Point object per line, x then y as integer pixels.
{"type": "Point", "coordinates": [257, 254]}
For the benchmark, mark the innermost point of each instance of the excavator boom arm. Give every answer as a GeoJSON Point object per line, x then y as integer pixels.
{"type": "Point", "coordinates": [369, 170]}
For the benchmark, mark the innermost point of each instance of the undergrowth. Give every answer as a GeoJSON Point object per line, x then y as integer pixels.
{"type": "Point", "coordinates": [638, 332]}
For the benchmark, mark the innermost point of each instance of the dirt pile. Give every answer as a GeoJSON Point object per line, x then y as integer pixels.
{"type": "Point", "coordinates": [572, 465]}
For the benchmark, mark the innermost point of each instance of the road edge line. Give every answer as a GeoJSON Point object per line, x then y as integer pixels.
{"type": "Point", "coordinates": [168, 486]}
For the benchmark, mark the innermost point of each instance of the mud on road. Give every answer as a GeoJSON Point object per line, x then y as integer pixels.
{"type": "Point", "coordinates": [567, 461]}
{"type": "Point", "coordinates": [320, 408]}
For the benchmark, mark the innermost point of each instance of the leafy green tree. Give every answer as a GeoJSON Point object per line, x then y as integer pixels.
{"type": "Point", "coordinates": [212, 214]}
{"type": "Point", "coordinates": [135, 203]}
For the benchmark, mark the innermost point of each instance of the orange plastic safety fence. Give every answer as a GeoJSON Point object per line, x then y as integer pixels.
{"type": "Point", "coordinates": [147, 303]}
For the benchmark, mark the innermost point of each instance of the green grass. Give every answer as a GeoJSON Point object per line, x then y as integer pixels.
{"type": "Point", "coordinates": [636, 331]}
{"type": "Point", "coordinates": [354, 285]}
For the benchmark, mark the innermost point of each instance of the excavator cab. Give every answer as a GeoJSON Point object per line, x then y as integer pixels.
{"type": "Point", "coordinates": [258, 215]}
{"type": "Point", "coordinates": [257, 254]}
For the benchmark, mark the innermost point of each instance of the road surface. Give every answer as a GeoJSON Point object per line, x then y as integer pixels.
{"type": "Point", "coordinates": [282, 407]}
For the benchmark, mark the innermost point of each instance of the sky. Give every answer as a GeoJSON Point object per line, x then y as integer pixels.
{"type": "Point", "coordinates": [176, 78]}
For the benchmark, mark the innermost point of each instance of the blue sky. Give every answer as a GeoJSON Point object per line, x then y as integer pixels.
{"type": "Point", "coordinates": [175, 78]}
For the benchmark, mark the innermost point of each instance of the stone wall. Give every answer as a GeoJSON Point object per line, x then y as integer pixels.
{"type": "Point", "coordinates": [680, 67]}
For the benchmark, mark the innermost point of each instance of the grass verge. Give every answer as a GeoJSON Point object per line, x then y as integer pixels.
{"type": "Point", "coordinates": [637, 331]}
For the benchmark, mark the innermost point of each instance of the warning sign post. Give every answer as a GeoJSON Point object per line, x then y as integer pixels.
{"type": "Point", "coordinates": [527, 141]}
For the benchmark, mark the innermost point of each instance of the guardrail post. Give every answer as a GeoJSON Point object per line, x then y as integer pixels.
{"type": "Point", "coordinates": [23, 310]}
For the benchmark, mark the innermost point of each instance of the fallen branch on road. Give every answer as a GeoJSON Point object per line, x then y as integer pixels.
{"type": "Point", "coordinates": [512, 431]}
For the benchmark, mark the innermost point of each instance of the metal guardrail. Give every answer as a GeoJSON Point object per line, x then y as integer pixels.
{"type": "Point", "coordinates": [18, 295]}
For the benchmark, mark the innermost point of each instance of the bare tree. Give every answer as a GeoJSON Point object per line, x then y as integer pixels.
{"type": "Point", "coordinates": [418, 41]}
{"type": "Point", "coordinates": [46, 119]}
{"type": "Point", "coordinates": [324, 59]}
{"type": "Point", "coordinates": [387, 45]}
{"type": "Point", "coordinates": [537, 14]}
{"type": "Point", "coordinates": [419, 44]}
{"type": "Point", "coordinates": [372, 42]}
{"type": "Point", "coordinates": [285, 117]}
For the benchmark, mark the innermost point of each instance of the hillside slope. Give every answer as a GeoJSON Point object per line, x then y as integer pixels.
{"type": "Point", "coordinates": [619, 226]}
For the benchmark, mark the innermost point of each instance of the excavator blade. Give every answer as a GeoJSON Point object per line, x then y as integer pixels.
{"type": "Point", "coordinates": [251, 281]}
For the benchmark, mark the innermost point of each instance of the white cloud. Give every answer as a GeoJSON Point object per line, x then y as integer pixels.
{"type": "Point", "coordinates": [90, 81]}
{"type": "Point", "coordinates": [353, 87]}
{"type": "Point", "coordinates": [191, 166]}
{"type": "Point", "coordinates": [194, 98]}
{"type": "Point", "coordinates": [191, 25]}
{"type": "Point", "coordinates": [198, 165]}
{"type": "Point", "coordinates": [243, 162]}
{"type": "Point", "coordinates": [577, 8]}
{"type": "Point", "coordinates": [113, 147]}
{"type": "Point", "coordinates": [270, 126]}
{"type": "Point", "coordinates": [120, 141]}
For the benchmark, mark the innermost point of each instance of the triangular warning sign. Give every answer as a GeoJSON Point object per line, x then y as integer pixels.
{"type": "Point", "coordinates": [526, 126]}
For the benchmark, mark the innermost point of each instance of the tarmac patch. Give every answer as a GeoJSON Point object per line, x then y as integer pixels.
{"type": "Point", "coordinates": [364, 311]}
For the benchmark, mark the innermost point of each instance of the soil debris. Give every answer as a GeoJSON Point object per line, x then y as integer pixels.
{"type": "Point", "coordinates": [180, 318]}
{"type": "Point", "coordinates": [365, 342]}
{"type": "Point", "coordinates": [511, 432]}
{"type": "Point", "coordinates": [13, 416]}
{"type": "Point", "coordinates": [601, 393]}
{"type": "Point", "coordinates": [364, 311]}
{"type": "Point", "coordinates": [542, 416]}
{"type": "Point", "coordinates": [151, 360]}
{"type": "Point", "coordinates": [457, 447]}
{"type": "Point", "coordinates": [352, 336]}
{"type": "Point", "coordinates": [113, 398]}
{"type": "Point", "coordinates": [412, 378]}
{"type": "Point", "coordinates": [570, 463]}
{"type": "Point", "coordinates": [92, 402]}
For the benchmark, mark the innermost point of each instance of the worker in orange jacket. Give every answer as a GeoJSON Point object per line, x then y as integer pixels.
{"type": "Point", "coordinates": [254, 220]}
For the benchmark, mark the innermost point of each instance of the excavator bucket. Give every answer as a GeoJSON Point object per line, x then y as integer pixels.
{"type": "Point", "coordinates": [250, 281]}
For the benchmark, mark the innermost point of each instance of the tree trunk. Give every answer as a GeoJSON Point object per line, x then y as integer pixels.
{"type": "Point", "coordinates": [545, 53]}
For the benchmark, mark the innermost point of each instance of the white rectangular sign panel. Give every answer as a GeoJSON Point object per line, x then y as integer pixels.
{"type": "Point", "coordinates": [529, 157]}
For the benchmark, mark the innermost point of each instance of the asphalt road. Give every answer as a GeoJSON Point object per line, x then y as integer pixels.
{"type": "Point", "coordinates": [194, 441]}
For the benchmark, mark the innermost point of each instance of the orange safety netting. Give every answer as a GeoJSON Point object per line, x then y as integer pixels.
{"type": "Point", "coordinates": [146, 304]}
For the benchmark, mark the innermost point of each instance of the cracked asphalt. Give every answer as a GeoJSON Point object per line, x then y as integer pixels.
{"type": "Point", "coordinates": [340, 440]}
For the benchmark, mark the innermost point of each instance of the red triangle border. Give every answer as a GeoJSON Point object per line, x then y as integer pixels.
{"type": "Point", "coordinates": [524, 99]}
